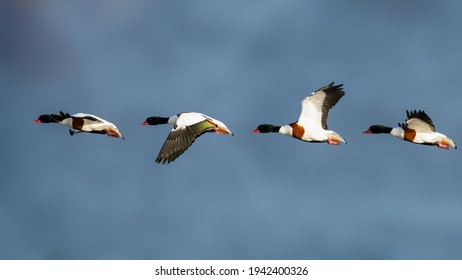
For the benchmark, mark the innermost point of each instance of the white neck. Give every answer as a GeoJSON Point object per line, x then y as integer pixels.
{"type": "Point", "coordinates": [397, 132]}
{"type": "Point", "coordinates": [286, 130]}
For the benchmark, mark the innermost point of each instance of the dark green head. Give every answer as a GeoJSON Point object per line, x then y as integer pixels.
{"type": "Point", "coordinates": [377, 129]}
{"type": "Point", "coordinates": [155, 121]}
{"type": "Point", "coordinates": [266, 128]}
{"type": "Point", "coordinates": [48, 118]}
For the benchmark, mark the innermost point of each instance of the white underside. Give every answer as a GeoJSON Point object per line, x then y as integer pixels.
{"type": "Point", "coordinates": [316, 133]}
{"type": "Point", "coordinates": [97, 127]}
{"type": "Point", "coordinates": [429, 137]}
{"type": "Point", "coordinates": [423, 137]}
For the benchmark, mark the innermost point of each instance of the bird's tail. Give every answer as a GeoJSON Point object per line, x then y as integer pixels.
{"type": "Point", "coordinates": [335, 138]}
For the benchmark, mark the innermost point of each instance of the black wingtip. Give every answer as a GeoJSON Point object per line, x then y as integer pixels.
{"type": "Point", "coordinates": [160, 161]}
{"type": "Point", "coordinates": [163, 161]}
{"type": "Point", "coordinates": [71, 132]}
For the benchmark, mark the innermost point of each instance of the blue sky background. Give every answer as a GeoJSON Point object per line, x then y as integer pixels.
{"type": "Point", "coordinates": [244, 63]}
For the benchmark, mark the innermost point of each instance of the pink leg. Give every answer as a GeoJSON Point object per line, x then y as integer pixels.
{"type": "Point", "coordinates": [331, 141]}
{"type": "Point", "coordinates": [442, 145]}
{"type": "Point", "coordinates": [111, 133]}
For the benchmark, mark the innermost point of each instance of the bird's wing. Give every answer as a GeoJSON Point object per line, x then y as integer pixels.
{"type": "Point", "coordinates": [89, 118]}
{"type": "Point", "coordinates": [419, 121]}
{"type": "Point", "coordinates": [316, 106]}
{"type": "Point", "coordinates": [62, 116]}
{"type": "Point", "coordinates": [180, 139]}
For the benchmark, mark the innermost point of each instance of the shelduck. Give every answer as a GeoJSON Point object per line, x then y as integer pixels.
{"type": "Point", "coordinates": [418, 129]}
{"type": "Point", "coordinates": [312, 123]}
{"type": "Point", "coordinates": [81, 122]}
{"type": "Point", "coordinates": [186, 128]}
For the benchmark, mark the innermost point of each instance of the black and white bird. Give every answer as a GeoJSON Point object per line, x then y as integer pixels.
{"type": "Point", "coordinates": [312, 123]}
{"type": "Point", "coordinates": [418, 129]}
{"type": "Point", "coordinates": [82, 122]}
{"type": "Point", "coordinates": [186, 128]}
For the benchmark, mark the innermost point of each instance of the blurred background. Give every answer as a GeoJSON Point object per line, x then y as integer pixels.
{"type": "Point", "coordinates": [244, 63]}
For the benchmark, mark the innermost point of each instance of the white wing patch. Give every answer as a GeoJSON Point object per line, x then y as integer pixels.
{"type": "Point", "coordinates": [311, 114]}
{"type": "Point", "coordinates": [315, 107]}
{"type": "Point", "coordinates": [420, 125]}
{"type": "Point", "coordinates": [188, 119]}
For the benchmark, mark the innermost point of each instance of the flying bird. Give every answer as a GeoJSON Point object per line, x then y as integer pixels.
{"type": "Point", "coordinates": [312, 123]}
{"type": "Point", "coordinates": [418, 129]}
{"type": "Point", "coordinates": [186, 128]}
{"type": "Point", "coordinates": [81, 122]}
